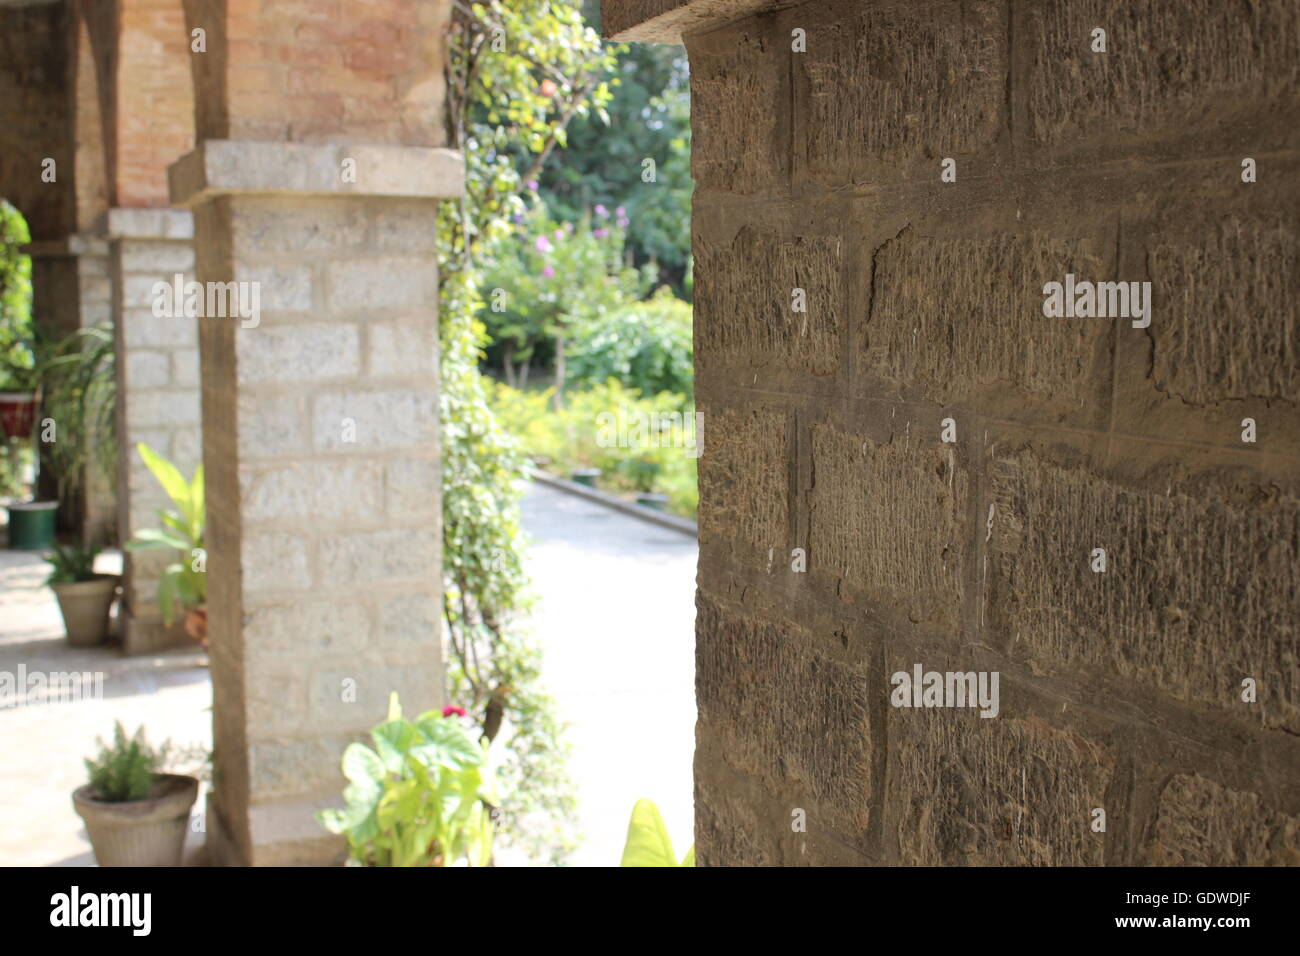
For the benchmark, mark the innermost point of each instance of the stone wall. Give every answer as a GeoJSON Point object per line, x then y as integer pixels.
{"type": "Point", "coordinates": [1122, 689]}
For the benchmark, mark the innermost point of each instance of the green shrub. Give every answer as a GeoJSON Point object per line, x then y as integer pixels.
{"type": "Point", "coordinates": [419, 798]}
{"type": "Point", "coordinates": [72, 563]}
{"type": "Point", "coordinates": [124, 772]}
{"type": "Point", "coordinates": [645, 345]}
{"type": "Point", "coordinates": [570, 438]}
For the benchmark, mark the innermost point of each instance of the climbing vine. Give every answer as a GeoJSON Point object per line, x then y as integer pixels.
{"type": "Point", "coordinates": [518, 71]}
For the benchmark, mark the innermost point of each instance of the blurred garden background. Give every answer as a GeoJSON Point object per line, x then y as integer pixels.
{"type": "Point", "coordinates": [565, 291]}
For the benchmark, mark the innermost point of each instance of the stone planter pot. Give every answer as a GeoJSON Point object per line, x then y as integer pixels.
{"type": "Point", "coordinates": [650, 500]}
{"type": "Point", "coordinates": [586, 476]}
{"type": "Point", "coordinates": [196, 624]}
{"type": "Point", "coordinates": [85, 606]}
{"type": "Point", "coordinates": [143, 833]}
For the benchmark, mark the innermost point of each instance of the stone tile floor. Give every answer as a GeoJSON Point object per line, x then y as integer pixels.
{"type": "Point", "coordinates": [615, 617]}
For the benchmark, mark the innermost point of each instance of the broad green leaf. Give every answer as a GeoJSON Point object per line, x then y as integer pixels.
{"type": "Point", "coordinates": [393, 740]}
{"type": "Point", "coordinates": [177, 488]}
{"type": "Point", "coordinates": [156, 538]}
{"type": "Point", "coordinates": [689, 858]}
{"type": "Point", "coordinates": [648, 843]}
{"type": "Point", "coordinates": [362, 765]}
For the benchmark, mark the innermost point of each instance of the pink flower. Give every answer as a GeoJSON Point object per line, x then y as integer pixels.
{"type": "Point", "coordinates": [559, 234]}
{"type": "Point", "coordinates": [549, 272]}
{"type": "Point", "coordinates": [600, 233]}
{"type": "Point", "coordinates": [458, 711]}
{"type": "Point", "coordinates": [532, 184]}
{"type": "Point", "coordinates": [543, 244]}
{"type": "Point", "coordinates": [601, 211]}
{"type": "Point", "coordinates": [620, 211]}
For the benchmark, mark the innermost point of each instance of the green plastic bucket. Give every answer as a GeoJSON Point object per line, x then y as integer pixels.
{"type": "Point", "coordinates": [31, 525]}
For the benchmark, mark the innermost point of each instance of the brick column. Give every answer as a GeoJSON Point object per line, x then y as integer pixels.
{"type": "Point", "coordinates": [320, 428]}
{"type": "Point", "coordinates": [157, 397]}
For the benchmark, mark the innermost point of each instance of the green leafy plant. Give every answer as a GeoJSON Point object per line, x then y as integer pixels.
{"type": "Point", "coordinates": [419, 798]}
{"type": "Point", "coordinates": [72, 563]}
{"type": "Point", "coordinates": [124, 771]}
{"type": "Point", "coordinates": [564, 440]}
{"type": "Point", "coordinates": [79, 385]}
{"type": "Point", "coordinates": [507, 110]}
{"type": "Point", "coordinates": [648, 842]}
{"type": "Point", "coordinates": [645, 345]}
{"type": "Point", "coordinates": [555, 276]}
{"type": "Point", "coordinates": [183, 584]}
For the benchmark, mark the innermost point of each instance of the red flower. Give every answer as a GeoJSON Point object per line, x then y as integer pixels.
{"type": "Point", "coordinates": [458, 711]}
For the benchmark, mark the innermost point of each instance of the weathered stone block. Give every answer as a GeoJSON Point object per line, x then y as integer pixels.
{"type": "Point", "coordinates": [745, 477]}
{"type": "Point", "coordinates": [746, 299]}
{"type": "Point", "coordinates": [939, 305]}
{"type": "Point", "coordinates": [892, 83]}
{"type": "Point", "coordinates": [738, 86]}
{"type": "Point", "coordinates": [145, 409]}
{"type": "Point", "coordinates": [410, 619]}
{"type": "Point", "coordinates": [304, 630]}
{"type": "Point", "coordinates": [889, 519]}
{"type": "Point", "coordinates": [160, 260]}
{"type": "Point", "coordinates": [391, 282]}
{"type": "Point", "coordinates": [412, 485]}
{"type": "Point", "coordinates": [785, 713]}
{"type": "Point", "coordinates": [327, 491]}
{"type": "Point", "coordinates": [143, 329]}
{"type": "Point", "coordinates": [403, 348]}
{"type": "Point", "coordinates": [298, 353]}
{"type": "Point", "coordinates": [147, 369]}
{"type": "Point", "coordinates": [280, 288]}
{"type": "Point", "coordinates": [274, 561]}
{"type": "Point", "coordinates": [1199, 593]}
{"type": "Point", "coordinates": [271, 425]}
{"type": "Point", "coordinates": [388, 419]}
{"type": "Point", "coordinates": [1165, 63]}
{"type": "Point", "coordinates": [1201, 823]}
{"type": "Point", "coordinates": [1243, 269]}
{"type": "Point", "coordinates": [347, 560]}
{"type": "Point", "coordinates": [964, 790]}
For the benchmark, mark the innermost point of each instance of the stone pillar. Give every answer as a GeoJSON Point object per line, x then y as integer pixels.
{"type": "Point", "coordinates": [1079, 505]}
{"type": "Point", "coordinates": [320, 427]}
{"type": "Point", "coordinates": [157, 397]}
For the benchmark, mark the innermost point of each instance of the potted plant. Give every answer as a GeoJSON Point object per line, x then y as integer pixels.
{"type": "Point", "coordinates": [643, 471]}
{"type": "Point", "coordinates": [84, 596]}
{"type": "Point", "coordinates": [135, 815]}
{"type": "Point", "coordinates": [420, 798]}
{"type": "Point", "coordinates": [24, 351]}
{"type": "Point", "coordinates": [183, 587]}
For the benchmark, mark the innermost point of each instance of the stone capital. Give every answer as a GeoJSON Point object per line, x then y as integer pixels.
{"type": "Point", "coordinates": [669, 21]}
{"type": "Point", "coordinates": [147, 223]}
{"type": "Point", "coordinates": [224, 167]}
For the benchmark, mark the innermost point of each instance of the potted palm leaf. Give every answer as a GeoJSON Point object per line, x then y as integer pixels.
{"type": "Point", "coordinates": [183, 587]}
{"type": "Point", "coordinates": [84, 596]}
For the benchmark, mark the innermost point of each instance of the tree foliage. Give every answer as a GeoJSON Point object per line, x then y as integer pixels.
{"type": "Point", "coordinates": [518, 72]}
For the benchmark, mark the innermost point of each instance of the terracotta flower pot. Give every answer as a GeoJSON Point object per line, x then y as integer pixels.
{"type": "Point", "coordinates": [196, 624]}
{"type": "Point", "coordinates": [144, 832]}
{"type": "Point", "coordinates": [85, 606]}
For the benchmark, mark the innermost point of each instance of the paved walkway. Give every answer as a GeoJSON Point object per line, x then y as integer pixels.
{"type": "Point", "coordinates": [42, 743]}
{"type": "Point", "coordinates": [615, 615]}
